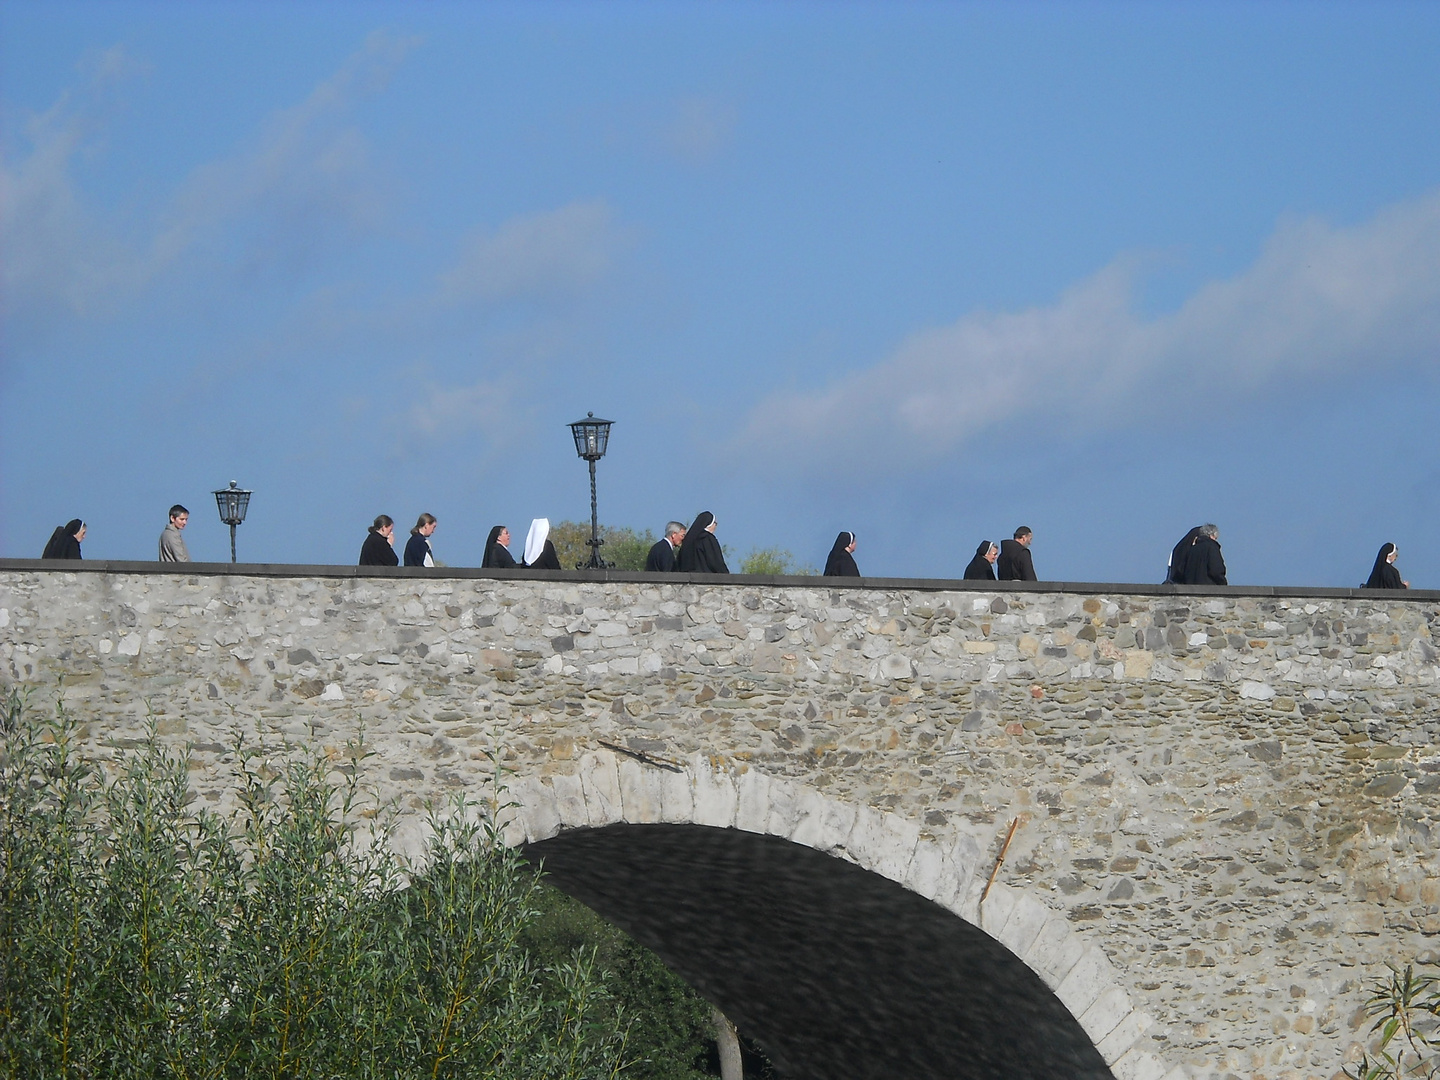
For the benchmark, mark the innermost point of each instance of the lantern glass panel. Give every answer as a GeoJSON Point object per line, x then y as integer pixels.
{"type": "Point", "coordinates": [232, 503]}
{"type": "Point", "coordinates": [592, 437]}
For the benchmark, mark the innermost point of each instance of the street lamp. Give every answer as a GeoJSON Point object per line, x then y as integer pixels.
{"type": "Point", "coordinates": [233, 502]}
{"type": "Point", "coordinates": [591, 438]}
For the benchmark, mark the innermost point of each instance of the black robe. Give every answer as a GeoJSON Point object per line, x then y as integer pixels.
{"type": "Point", "coordinates": [376, 551]}
{"type": "Point", "coordinates": [1179, 556]}
{"type": "Point", "coordinates": [1205, 566]}
{"type": "Point", "coordinates": [1384, 576]}
{"type": "Point", "coordinates": [700, 553]}
{"type": "Point", "coordinates": [661, 558]}
{"type": "Point", "coordinates": [497, 555]}
{"type": "Point", "coordinates": [980, 568]}
{"type": "Point", "coordinates": [62, 543]}
{"type": "Point", "coordinates": [841, 563]}
{"type": "Point", "coordinates": [1015, 563]}
{"type": "Point", "coordinates": [546, 560]}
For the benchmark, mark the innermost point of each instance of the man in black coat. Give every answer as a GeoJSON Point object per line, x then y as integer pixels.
{"type": "Point", "coordinates": [662, 556]}
{"type": "Point", "coordinates": [1206, 566]}
{"type": "Point", "coordinates": [1015, 563]}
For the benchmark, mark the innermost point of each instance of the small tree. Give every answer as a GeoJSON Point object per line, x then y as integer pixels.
{"type": "Point", "coordinates": [624, 548]}
{"type": "Point", "coordinates": [774, 561]}
{"type": "Point", "coordinates": [1405, 1008]}
{"type": "Point", "coordinates": [144, 938]}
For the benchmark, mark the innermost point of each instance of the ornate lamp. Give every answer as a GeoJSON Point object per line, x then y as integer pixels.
{"type": "Point", "coordinates": [232, 502]}
{"type": "Point", "coordinates": [592, 437]}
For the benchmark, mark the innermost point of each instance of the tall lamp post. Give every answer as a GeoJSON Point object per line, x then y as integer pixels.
{"type": "Point", "coordinates": [591, 438]}
{"type": "Point", "coordinates": [233, 502]}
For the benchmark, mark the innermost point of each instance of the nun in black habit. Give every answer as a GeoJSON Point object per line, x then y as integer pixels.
{"type": "Point", "coordinates": [539, 548]}
{"type": "Point", "coordinates": [1385, 576]}
{"type": "Point", "coordinates": [64, 542]}
{"type": "Point", "coordinates": [841, 563]}
{"type": "Point", "coordinates": [1180, 557]}
{"type": "Point", "coordinates": [700, 553]}
{"type": "Point", "coordinates": [982, 566]}
{"type": "Point", "coordinates": [497, 553]}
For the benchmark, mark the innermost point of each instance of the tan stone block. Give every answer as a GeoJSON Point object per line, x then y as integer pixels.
{"type": "Point", "coordinates": [1138, 663]}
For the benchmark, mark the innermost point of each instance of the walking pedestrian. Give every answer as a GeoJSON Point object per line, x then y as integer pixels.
{"type": "Point", "coordinates": [1180, 556]}
{"type": "Point", "coordinates": [982, 566]}
{"type": "Point", "coordinates": [841, 562]}
{"type": "Point", "coordinates": [379, 546]}
{"type": "Point", "coordinates": [417, 548]}
{"type": "Point", "coordinates": [700, 553]}
{"type": "Point", "coordinates": [497, 550]}
{"type": "Point", "coordinates": [662, 555]}
{"type": "Point", "coordinates": [64, 542]}
{"type": "Point", "coordinates": [1206, 566]}
{"type": "Point", "coordinates": [1383, 576]}
{"type": "Point", "coordinates": [1014, 562]}
{"type": "Point", "coordinates": [539, 549]}
{"type": "Point", "coordinates": [172, 543]}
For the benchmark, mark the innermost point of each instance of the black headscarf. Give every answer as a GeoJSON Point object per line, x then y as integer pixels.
{"type": "Point", "coordinates": [700, 553]}
{"type": "Point", "coordinates": [1180, 556]}
{"type": "Point", "coordinates": [497, 556]}
{"type": "Point", "coordinates": [980, 568]}
{"type": "Point", "coordinates": [1384, 576]}
{"type": "Point", "coordinates": [63, 543]}
{"type": "Point", "coordinates": [841, 563]}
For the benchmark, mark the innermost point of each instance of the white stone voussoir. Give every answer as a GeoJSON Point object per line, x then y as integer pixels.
{"type": "Point", "coordinates": [600, 781]}
{"type": "Point", "coordinates": [1091, 976]}
{"type": "Point", "coordinates": [752, 808]}
{"type": "Point", "coordinates": [714, 793]}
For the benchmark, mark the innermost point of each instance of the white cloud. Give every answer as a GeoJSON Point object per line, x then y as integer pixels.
{"type": "Point", "coordinates": [306, 172]}
{"type": "Point", "coordinates": [1318, 300]}
{"type": "Point", "coordinates": [538, 256]}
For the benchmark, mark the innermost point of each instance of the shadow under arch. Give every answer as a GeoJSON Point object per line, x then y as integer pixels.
{"type": "Point", "coordinates": [833, 969]}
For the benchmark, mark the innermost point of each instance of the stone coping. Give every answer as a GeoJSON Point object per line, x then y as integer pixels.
{"type": "Point", "coordinates": [450, 573]}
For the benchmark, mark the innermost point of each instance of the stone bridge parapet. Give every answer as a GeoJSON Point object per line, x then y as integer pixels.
{"type": "Point", "coordinates": [1228, 800]}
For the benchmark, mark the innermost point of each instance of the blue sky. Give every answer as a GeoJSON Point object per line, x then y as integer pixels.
{"type": "Point", "coordinates": [921, 271]}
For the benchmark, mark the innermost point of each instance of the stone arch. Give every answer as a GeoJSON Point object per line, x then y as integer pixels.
{"type": "Point", "coordinates": [605, 789]}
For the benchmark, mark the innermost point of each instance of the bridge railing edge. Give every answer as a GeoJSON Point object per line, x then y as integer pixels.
{"type": "Point", "coordinates": [1085, 588]}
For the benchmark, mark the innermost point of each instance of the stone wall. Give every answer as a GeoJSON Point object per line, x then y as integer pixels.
{"type": "Point", "coordinates": [1234, 799]}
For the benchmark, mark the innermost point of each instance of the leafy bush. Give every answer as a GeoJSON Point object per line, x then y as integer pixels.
{"type": "Point", "coordinates": [143, 936]}
{"type": "Point", "coordinates": [774, 561]}
{"type": "Point", "coordinates": [1405, 1008]}
{"type": "Point", "coordinates": [671, 1034]}
{"type": "Point", "coordinates": [624, 548]}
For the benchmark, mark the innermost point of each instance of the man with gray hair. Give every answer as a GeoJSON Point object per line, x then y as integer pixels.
{"type": "Point", "coordinates": [1206, 566]}
{"type": "Point", "coordinates": [662, 555]}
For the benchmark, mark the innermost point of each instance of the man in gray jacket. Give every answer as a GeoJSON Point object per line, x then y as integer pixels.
{"type": "Point", "coordinates": [172, 543]}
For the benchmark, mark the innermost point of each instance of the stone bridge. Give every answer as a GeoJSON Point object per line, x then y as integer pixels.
{"type": "Point", "coordinates": [1226, 802]}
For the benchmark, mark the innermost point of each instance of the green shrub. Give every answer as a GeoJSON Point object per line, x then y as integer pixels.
{"type": "Point", "coordinates": [624, 548]}
{"type": "Point", "coordinates": [1405, 1009]}
{"type": "Point", "coordinates": [143, 936]}
{"type": "Point", "coordinates": [774, 561]}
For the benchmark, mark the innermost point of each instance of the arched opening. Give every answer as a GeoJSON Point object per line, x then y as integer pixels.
{"type": "Point", "coordinates": [834, 970]}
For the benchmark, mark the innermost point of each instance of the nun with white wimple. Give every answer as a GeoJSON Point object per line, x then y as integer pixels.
{"type": "Point", "coordinates": [539, 550]}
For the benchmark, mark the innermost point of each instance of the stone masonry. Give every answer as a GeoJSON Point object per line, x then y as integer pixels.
{"type": "Point", "coordinates": [1228, 802]}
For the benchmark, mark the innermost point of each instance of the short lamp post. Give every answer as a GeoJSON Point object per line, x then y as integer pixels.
{"type": "Point", "coordinates": [233, 502]}
{"type": "Point", "coordinates": [592, 436]}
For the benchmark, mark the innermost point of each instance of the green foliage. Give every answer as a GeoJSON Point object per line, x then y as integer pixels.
{"type": "Point", "coordinates": [144, 937]}
{"type": "Point", "coordinates": [670, 1033]}
{"type": "Point", "coordinates": [774, 561]}
{"type": "Point", "coordinates": [1405, 1008]}
{"type": "Point", "coordinates": [624, 548]}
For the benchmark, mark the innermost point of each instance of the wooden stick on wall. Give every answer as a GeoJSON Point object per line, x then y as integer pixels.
{"type": "Point", "coordinates": [1000, 859]}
